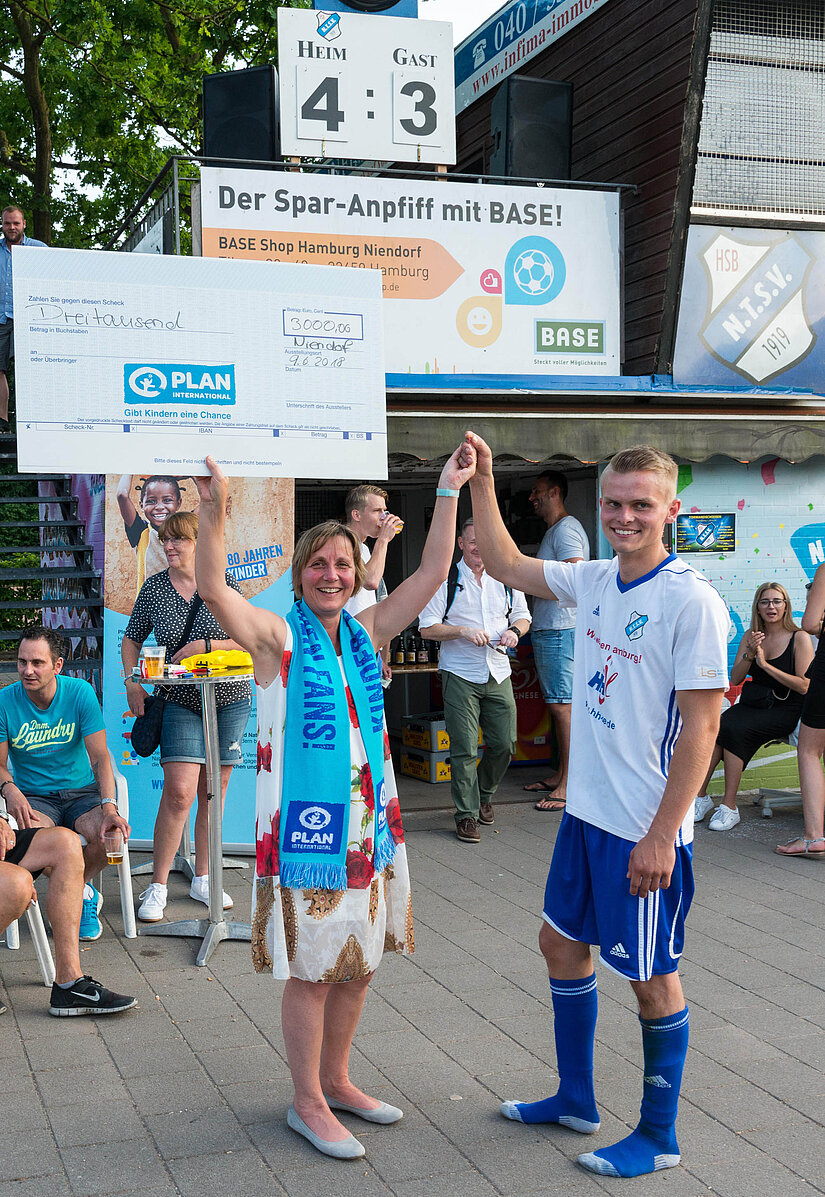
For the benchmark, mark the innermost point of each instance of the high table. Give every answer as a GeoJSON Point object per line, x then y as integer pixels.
{"type": "Point", "coordinates": [214, 928]}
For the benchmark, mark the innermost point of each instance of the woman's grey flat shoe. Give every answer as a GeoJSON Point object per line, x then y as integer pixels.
{"type": "Point", "coordinates": [340, 1149]}
{"type": "Point", "coordinates": [383, 1114]}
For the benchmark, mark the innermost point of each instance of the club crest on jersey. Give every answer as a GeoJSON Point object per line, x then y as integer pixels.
{"type": "Point", "coordinates": [636, 627]}
{"type": "Point", "coordinates": [602, 680]}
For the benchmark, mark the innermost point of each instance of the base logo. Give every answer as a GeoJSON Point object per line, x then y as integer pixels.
{"type": "Point", "coordinates": [756, 321]}
{"type": "Point", "coordinates": [163, 382]}
{"type": "Point", "coordinates": [569, 336]}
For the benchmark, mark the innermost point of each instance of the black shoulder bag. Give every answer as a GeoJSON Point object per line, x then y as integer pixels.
{"type": "Point", "coordinates": [147, 727]}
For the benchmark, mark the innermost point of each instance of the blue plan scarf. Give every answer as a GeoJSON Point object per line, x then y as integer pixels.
{"type": "Point", "coordinates": [316, 789]}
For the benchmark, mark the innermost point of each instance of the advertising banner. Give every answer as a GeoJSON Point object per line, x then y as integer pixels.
{"type": "Point", "coordinates": [259, 537]}
{"type": "Point", "coordinates": [137, 361]}
{"type": "Point", "coordinates": [494, 280]}
{"type": "Point", "coordinates": [752, 310]}
{"type": "Point", "coordinates": [63, 598]}
{"type": "Point", "coordinates": [510, 38]}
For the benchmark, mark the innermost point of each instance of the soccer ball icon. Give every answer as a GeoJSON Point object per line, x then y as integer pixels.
{"type": "Point", "coordinates": [533, 272]}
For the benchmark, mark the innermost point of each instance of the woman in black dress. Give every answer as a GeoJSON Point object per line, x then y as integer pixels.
{"type": "Point", "coordinates": [776, 654]}
{"type": "Point", "coordinates": [811, 843]}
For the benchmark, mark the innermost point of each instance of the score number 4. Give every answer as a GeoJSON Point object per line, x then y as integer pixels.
{"type": "Point", "coordinates": [322, 115]}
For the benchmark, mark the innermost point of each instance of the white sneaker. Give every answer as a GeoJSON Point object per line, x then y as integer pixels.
{"type": "Point", "coordinates": [703, 805]}
{"type": "Point", "coordinates": [153, 904]}
{"type": "Point", "coordinates": [199, 890]}
{"type": "Point", "coordinates": [724, 818]}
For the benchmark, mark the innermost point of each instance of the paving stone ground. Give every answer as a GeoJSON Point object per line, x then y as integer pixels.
{"type": "Point", "coordinates": [187, 1095]}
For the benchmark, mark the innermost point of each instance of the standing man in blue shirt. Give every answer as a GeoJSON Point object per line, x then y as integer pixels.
{"type": "Point", "coordinates": [54, 764]}
{"type": "Point", "coordinates": [14, 226]}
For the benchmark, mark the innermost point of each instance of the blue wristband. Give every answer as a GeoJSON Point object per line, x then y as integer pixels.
{"type": "Point", "coordinates": [443, 493]}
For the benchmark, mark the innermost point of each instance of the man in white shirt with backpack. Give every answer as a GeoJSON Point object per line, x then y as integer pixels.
{"type": "Point", "coordinates": [476, 619]}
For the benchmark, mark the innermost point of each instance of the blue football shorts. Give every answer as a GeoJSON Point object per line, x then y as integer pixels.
{"type": "Point", "coordinates": [588, 899]}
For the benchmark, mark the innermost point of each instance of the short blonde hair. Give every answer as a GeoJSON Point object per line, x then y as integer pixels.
{"type": "Point", "coordinates": [312, 540]}
{"type": "Point", "coordinates": [356, 499]}
{"type": "Point", "coordinates": [646, 459]}
{"type": "Point", "coordinates": [179, 525]}
{"type": "Point", "coordinates": [757, 623]}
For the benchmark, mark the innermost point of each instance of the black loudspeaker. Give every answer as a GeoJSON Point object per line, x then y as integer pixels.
{"type": "Point", "coordinates": [531, 126]}
{"type": "Point", "coordinates": [240, 114]}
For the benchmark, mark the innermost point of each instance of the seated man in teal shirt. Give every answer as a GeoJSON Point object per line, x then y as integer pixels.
{"type": "Point", "coordinates": [54, 764]}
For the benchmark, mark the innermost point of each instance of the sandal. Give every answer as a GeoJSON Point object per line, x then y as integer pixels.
{"type": "Point", "coordinates": [806, 853]}
{"type": "Point", "coordinates": [538, 787]}
{"type": "Point", "coordinates": [550, 804]}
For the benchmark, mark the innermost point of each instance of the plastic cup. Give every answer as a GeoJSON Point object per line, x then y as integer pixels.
{"type": "Point", "coordinates": [153, 660]}
{"type": "Point", "coordinates": [113, 843]}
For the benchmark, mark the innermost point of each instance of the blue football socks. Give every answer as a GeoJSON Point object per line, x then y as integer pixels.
{"type": "Point", "coordinates": [652, 1145]}
{"type": "Point", "coordinates": [575, 1007]}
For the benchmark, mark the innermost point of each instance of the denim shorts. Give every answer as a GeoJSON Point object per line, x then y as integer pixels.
{"type": "Point", "coordinates": [181, 737]}
{"type": "Point", "coordinates": [65, 806]}
{"type": "Point", "coordinates": [553, 654]}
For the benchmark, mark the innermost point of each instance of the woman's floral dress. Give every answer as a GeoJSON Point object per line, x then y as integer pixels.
{"type": "Point", "coordinates": [325, 934]}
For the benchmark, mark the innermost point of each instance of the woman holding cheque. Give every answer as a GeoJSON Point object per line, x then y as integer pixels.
{"type": "Point", "coordinates": [332, 889]}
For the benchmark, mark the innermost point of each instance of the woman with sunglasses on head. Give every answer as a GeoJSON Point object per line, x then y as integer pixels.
{"type": "Point", "coordinates": [775, 653]}
{"type": "Point", "coordinates": [811, 844]}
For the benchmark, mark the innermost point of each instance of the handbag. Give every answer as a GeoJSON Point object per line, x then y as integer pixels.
{"type": "Point", "coordinates": [761, 698]}
{"type": "Point", "coordinates": [146, 729]}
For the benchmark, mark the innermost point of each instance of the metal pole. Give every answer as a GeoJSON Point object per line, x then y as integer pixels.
{"type": "Point", "coordinates": [213, 800]}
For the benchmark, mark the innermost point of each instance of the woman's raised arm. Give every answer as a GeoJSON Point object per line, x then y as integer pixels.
{"type": "Point", "coordinates": [260, 632]}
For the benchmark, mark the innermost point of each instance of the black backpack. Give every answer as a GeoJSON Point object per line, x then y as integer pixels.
{"type": "Point", "coordinates": [453, 585]}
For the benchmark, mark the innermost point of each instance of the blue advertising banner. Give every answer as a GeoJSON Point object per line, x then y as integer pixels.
{"type": "Point", "coordinates": [258, 553]}
{"type": "Point", "coordinates": [510, 38]}
{"type": "Point", "coordinates": [752, 309]}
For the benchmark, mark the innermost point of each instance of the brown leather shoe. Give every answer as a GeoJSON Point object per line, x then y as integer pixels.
{"type": "Point", "coordinates": [467, 831]}
{"type": "Point", "coordinates": [485, 813]}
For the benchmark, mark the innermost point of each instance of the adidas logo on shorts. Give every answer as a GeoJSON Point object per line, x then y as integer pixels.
{"type": "Point", "coordinates": [658, 1081]}
{"type": "Point", "coordinates": [618, 950]}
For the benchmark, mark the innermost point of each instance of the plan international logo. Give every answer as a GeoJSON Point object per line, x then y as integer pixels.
{"type": "Point", "coordinates": [756, 321]}
{"type": "Point", "coordinates": [154, 382]}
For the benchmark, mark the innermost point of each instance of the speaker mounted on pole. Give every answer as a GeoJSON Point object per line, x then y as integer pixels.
{"type": "Point", "coordinates": [532, 128]}
{"type": "Point", "coordinates": [240, 114]}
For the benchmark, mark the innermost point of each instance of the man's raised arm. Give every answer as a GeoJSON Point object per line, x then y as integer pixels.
{"type": "Point", "coordinates": [501, 556]}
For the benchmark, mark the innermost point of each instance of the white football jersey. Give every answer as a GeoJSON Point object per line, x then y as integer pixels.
{"type": "Point", "coordinates": [637, 643]}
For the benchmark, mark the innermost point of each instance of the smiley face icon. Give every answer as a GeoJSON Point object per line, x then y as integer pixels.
{"type": "Point", "coordinates": [478, 320]}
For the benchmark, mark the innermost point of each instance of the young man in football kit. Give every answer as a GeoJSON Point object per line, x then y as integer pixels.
{"type": "Point", "coordinates": [649, 674]}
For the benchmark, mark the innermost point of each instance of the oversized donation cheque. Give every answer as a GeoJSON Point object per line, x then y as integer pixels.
{"type": "Point", "coordinates": [125, 360]}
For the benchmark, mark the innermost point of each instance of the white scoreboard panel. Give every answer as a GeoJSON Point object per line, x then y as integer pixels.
{"type": "Point", "coordinates": [353, 86]}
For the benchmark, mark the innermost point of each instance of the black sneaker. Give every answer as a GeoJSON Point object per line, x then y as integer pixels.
{"type": "Point", "coordinates": [88, 996]}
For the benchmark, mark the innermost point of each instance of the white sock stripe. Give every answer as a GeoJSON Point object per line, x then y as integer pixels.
{"type": "Point", "coordinates": [679, 1020]}
{"type": "Point", "coordinates": [586, 987]}
{"type": "Point", "coordinates": [656, 901]}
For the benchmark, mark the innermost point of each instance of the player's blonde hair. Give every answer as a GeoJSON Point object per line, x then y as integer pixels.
{"type": "Point", "coordinates": [646, 459]}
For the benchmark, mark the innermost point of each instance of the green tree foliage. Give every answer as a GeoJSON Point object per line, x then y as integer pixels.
{"type": "Point", "coordinates": [95, 95]}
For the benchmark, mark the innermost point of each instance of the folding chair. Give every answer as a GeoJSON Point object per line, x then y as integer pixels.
{"type": "Point", "coordinates": [37, 931]}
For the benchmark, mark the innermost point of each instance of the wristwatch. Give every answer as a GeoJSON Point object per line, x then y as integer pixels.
{"type": "Point", "coordinates": [207, 640]}
{"type": "Point", "coordinates": [4, 814]}
{"type": "Point", "coordinates": [3, 785]}
{"type": "Point", "coordinates": [516, 632]}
